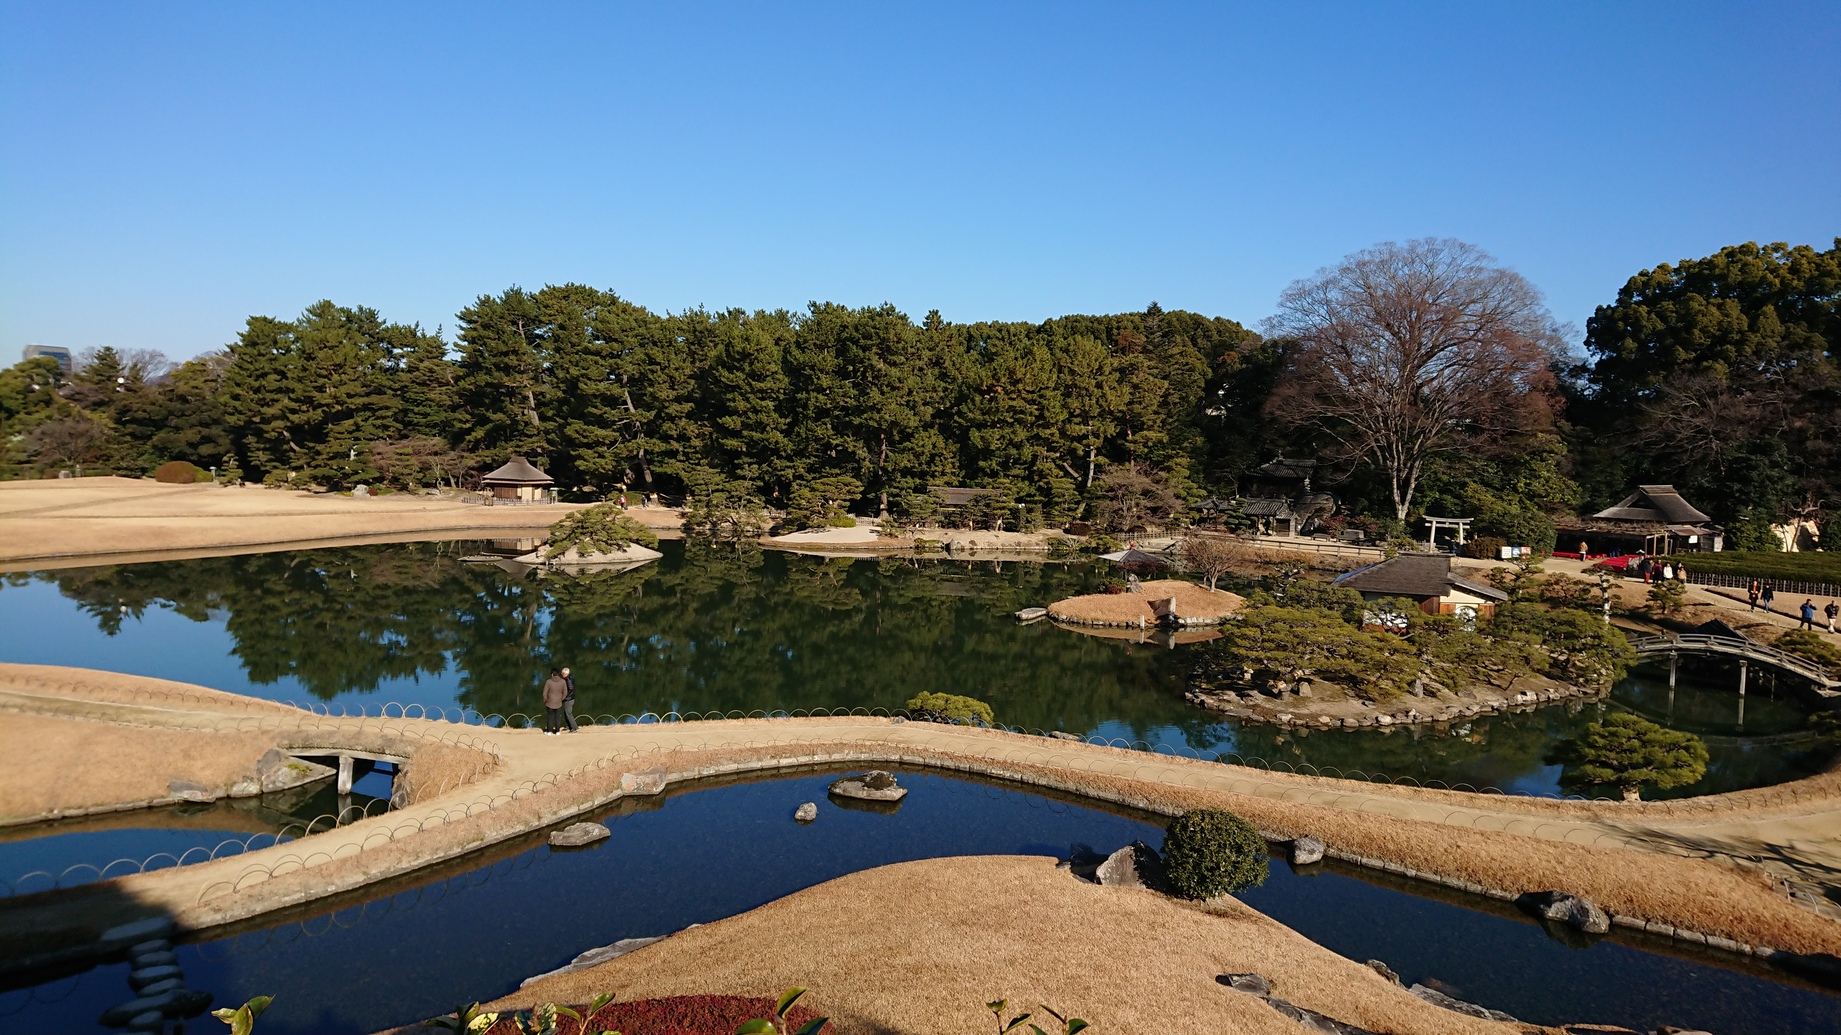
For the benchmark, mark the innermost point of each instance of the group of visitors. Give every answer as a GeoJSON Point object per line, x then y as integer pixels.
{"type": "Point", "coordinates": [1761, 593]}
{"type": "Point", "coordinates": [1765, 593]}
{"type": "Point", "coordinates": [559, 702]}
{"type": "Point", "coordinates": [1833, 611]}
{"type": "Point", "coordinates": [1668, 571]}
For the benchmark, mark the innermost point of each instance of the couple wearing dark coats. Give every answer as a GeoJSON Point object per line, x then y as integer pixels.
{"type": "Point", "coordinates": [558, 702]}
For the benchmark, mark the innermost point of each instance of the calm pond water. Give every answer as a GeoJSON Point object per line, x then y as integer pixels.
{"type": "Point", "coordinates": [477, 929]}
{"type": "Point", "coordinates": [721, 628]}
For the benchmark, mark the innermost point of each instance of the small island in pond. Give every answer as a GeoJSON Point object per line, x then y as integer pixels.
{"type": "Point", "coordinates": [1159, 602]}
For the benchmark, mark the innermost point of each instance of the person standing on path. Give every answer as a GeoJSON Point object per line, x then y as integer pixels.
{"type": "Point", "coordinates": [1770, 594]}
{"type": "Point", "coordinates": [554, 691]}
{"type": "Point", "coordinates": [1833, 611]}
{"type": "Point", "coordinates": [1752, 593]}
{"type": "Point", "coordinates": [569, 701]}
{"type": "Point", "coordinates": [1808, 611]}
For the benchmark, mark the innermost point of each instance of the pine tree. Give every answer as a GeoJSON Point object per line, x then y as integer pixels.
{"type": "Point", "coordinates": [503, 386]}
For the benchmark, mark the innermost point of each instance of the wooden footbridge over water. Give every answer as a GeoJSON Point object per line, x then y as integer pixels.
{"type": "Point", "coordinates": [1745, 650]}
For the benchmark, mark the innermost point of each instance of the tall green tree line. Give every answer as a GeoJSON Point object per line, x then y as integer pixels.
{"type": "Point", "coordinates": [604, 393]}
{"type": "Point", "coordinates": [1716, 374]}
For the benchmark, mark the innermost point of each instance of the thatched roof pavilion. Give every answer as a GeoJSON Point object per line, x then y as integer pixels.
{"type": "Point", "coordinates": [517, 480]}
{"type": "Point", "coordinates": [1654, 519]}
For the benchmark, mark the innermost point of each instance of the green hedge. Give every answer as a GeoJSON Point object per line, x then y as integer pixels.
{"type": "Point", "coordinates": [1803, 567]}
{"type": "Point", "coordinates": [1208, 852]}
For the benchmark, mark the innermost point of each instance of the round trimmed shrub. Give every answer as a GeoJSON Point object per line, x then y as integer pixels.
{"type": "Point", "coordinates": [177, 472]}
{"type": "Point", "coordinates": [1208, 852]}
{"type": "Point", "coordinates": [1485, 548]}
{"type": "Point", "coordinates": [950, 708]}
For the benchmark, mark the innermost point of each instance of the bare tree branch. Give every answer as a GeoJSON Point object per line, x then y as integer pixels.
{"type": "Point", "coordinates": [1406, 350]}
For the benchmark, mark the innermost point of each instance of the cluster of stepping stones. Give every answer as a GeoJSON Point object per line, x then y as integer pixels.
{"type": "Point", "coordinates": [160, 992]}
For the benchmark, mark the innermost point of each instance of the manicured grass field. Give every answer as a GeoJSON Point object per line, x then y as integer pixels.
{"type": "Point", "coordinates": [1805, 567]}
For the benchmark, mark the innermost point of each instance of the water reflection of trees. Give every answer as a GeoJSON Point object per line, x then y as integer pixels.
{"type": "Point", "coordinates": [1496, 751]}
{"type": "Point", "coordinates": [730, 627]}
{"type": "Point", "coordinates": [708, 627]}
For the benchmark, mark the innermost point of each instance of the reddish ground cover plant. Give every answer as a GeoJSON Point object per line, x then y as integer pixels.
{"type": "Point", "coordinates": [673, 1015]}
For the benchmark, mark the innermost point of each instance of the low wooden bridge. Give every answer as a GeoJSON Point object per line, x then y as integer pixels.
{"type": "Point", "coordinates": [1745, 650]}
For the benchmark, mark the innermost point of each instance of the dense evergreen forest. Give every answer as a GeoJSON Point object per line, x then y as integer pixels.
{"type": "Point", "coordinates": [1716, 374]}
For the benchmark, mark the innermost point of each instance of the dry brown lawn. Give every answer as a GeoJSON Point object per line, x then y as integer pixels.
{"type": "Point", "coordinates": [434, 769]}
{"type": "Point", "coordinates": [71, 519]}
{"type": "Point", "coordinates": [920, 947]}
{"type": "Point", "coordinates": [51, 764]}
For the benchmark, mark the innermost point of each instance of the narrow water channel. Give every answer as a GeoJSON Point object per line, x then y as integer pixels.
{"type": "Point", "coordinates": [63, 853]}
{"type": "Point", "coordinates": [705, 853]}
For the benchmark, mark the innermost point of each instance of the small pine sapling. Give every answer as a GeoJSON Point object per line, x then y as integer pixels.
{"type": "Point", "coordinates": [467, 1020]}
{"type": "Point", "coordinates": [242, 1020]}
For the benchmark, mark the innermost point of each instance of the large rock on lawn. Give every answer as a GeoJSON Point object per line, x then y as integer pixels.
{"type": "Point", "coordinates": [1137, 865]}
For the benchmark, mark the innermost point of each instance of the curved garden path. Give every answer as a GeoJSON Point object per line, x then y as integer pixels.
{"type": "Point", "coordinates": [1694, 869]}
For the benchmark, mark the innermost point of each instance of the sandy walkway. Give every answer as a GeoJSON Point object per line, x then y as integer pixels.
{"type": "Point", "coordinates": [58, 522]}
{"type": "Point", "coordinates": [922, 946]}
{"type": "Point", "coordinates": [1728, 605]}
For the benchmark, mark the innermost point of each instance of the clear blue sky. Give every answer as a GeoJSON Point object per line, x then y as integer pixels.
{"type": "Point", "coordinates": [167, 170]}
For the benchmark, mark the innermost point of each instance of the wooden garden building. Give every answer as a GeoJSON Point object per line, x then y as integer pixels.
{"type": "Point", "coordinates": [1653, 520]}
{"type": "Point", "coordinates": [517, 481]}
{"type": "Point", "coordinates": [1428, 581]}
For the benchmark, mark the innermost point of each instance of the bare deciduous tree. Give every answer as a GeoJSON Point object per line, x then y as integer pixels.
{"type": "Point", "coordinates": [1134, 496]}
{"type": "Point", "coordinates": [61, 443]}
{"type": "Point", "coordinates": [1405, 350]}
{"type": "Point", "coordinates": [1211, 557]}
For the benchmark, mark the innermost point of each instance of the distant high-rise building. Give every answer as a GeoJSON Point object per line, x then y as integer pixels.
{"type": "Point", "coordinates": [57, 352]}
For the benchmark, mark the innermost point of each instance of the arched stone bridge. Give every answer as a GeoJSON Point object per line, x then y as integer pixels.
{"type": "Point", "coordinates": [1743, 649]}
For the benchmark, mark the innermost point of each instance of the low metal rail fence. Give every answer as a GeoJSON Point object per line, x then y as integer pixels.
{"type": "Point", "coordinates": [1785, 587]}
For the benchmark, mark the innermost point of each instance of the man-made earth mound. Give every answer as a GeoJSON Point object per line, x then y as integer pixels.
{"type": "Point", "coordinates": [672, 1015]}
{"type": "Point", "coordinates": [913, 947]}
{"type": "Point", "coordinates": [1195, 605]}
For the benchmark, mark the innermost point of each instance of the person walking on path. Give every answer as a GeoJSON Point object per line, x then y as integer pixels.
{"type": "Point", "coordinates": [569, 701]}
{"type": "Point", "coordinates": [1668, 571]}
{"type": "Point", "coordinates": [1769, 595]}
{"type": "Point", "coordinates": [1833, 611]}
{"type": "Point", "coordinates": [554, 692]}
{"type": "Point", "coordinates": [1752, 593]}
{"type": "Point", "coordinates": [1808, 610]}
